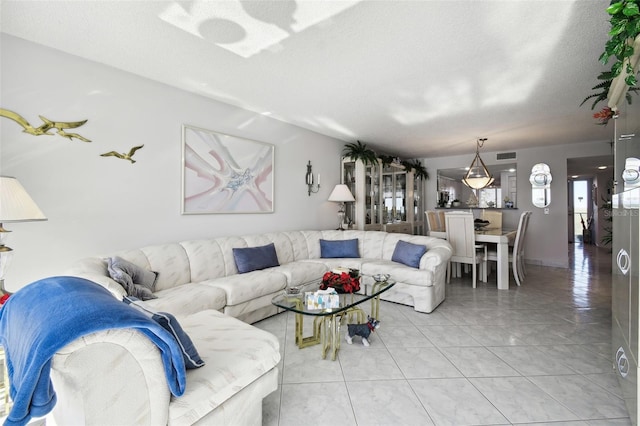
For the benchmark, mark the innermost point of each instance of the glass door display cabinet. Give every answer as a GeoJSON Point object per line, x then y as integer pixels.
{"type": "Point", "coordinates": [384, 201]}
{"type": "Point", "coordinates": [364, 183]}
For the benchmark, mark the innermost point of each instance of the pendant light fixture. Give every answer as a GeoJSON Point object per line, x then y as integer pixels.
{"type": "Point", "coordinates": [478, 175]}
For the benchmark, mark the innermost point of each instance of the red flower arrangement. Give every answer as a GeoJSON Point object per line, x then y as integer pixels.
{"type": "Point", "coordinates": [345, 282]}
{"type": "Point", "coordinates": [603, 116]}
{"type": "Point", "coordinates": [4, 298]}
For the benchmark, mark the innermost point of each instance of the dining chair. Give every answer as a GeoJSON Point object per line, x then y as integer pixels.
{"type": "Point", "coordinates": [494, 218]}
{"type": "Point", "coordinates": [461, 235]}
{"type": "Point", "coordinates": [516, 254]}
{"type": "Point", "coordinates": [521, 265]}
{"type": "Point", "coordinates": [443, 224]}
{"type": "Point", "coordinates": [432, 221]}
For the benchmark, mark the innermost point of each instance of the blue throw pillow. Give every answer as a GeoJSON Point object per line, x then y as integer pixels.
{"type": "Point", "coordinates": [255, 258]}
{"type": "Point", "coordinates": [408, 253]}
{"type": "Point", "coordinates": [339, 248]}
{"type": "Point", "coordinates": [170, 323]}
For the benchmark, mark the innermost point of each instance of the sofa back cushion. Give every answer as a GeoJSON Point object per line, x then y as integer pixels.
{"type": "Point", "coordinates": [299, 247]}
{"type": "Point", "coordinates": [205, 259]}
{"type": "Point", "coordinates": [313, 243]}
{"type": "Point", "coordinates": [227, 244]}
{"type": "Point", "coordinates": [373, 242]}
{"type": "Point", "coordinates": [171, 263]}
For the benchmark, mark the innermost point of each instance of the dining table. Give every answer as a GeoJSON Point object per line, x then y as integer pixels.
{"type": "Point", "coordinates": [502, 238]}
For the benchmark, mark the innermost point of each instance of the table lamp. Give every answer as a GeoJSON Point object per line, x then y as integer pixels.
{"type": "Point", "coordinates": [15, 206]}
{"type": "Point", "coordinates": [341, 194]}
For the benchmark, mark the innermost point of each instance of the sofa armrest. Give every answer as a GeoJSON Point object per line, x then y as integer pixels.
{"type": "Point", "coordinates": [434, 258]}
{"type": "Point", "coordinates": [110, 377]}
{"type": "Point", "coordinates": [95, 269]}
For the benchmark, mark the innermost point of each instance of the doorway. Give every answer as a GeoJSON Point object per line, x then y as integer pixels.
{"type": "Point", "coordinates": [581, 222]}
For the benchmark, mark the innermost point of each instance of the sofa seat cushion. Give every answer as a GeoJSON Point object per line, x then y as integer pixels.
{"type": "Point", "coordinates": [188, 299]}
{"type": "Point", "coordinates": [236, 354]}
{"type": "Point", "coordinates": [302, 272]}
{"type": "Point", "coordinates": [399, 272]}
{"type": "Point", "coordinates": [241, 288]}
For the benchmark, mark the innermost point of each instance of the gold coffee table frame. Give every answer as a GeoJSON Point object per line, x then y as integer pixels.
{"type": "Point", "coordinates": [327, 322]}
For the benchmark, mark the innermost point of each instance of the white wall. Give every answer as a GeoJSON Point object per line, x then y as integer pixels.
{"type": "Point", "coordinates": [546, 242]}
{"type": "Point", "coordinates": [96, 205]}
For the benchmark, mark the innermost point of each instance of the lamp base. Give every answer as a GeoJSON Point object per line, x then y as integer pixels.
{"type": "Point", "coordinates": [3, 291]}
{"type": "Point", "coordinates": [341, 215]}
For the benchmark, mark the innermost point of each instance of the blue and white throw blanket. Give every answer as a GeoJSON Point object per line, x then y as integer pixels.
{"type": "Point", "coordinates": [45, 316]}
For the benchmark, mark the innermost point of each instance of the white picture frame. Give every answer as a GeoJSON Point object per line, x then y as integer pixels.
{"type": "Point", "coordinates": [225, 174]}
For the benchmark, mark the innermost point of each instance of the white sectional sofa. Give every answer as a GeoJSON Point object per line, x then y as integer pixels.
{"type": "Point", "coordinates": [198, 282]}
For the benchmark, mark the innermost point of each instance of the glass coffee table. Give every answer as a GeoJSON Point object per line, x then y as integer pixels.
{"type": "Point", "coordinates": [326, 322]}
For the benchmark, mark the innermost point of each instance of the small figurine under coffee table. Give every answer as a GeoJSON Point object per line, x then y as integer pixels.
{"type": "Point", "coordinates": [362, 330]}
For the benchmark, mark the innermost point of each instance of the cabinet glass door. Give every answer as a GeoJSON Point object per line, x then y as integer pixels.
{"type": "Point", "coordinates": [394, 194]}
{"type": "Point", "coordinates": [372, 189]}
{"type": "Point", "coordinates": [400, 212]}
{"type": "Point", "coordinates": [388, 198]}
{"type": "Point", "coordinates": [349, 179]}
{"type": "Point", "coordinates": [418, 210]}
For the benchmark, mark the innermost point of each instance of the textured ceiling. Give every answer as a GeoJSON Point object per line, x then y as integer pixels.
{"type": "Point", "coordinates": [409, 78]}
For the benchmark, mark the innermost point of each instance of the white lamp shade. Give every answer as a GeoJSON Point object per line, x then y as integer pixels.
{"type": "Point", "coordinates": [341, 194]}
{"type": "Point", "coordinates": [15, 204]}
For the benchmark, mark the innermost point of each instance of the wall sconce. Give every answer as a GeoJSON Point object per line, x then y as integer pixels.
{"type": "Point", "coordinates": [478, 176]}
{"type": "Point", "coordinates": [312, 186]}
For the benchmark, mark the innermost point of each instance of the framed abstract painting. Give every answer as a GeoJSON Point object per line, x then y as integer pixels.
{"type": "Point", "coordinates": [225, 174]}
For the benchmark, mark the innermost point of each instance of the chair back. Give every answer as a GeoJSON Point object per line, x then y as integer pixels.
{"type": "Point", "coordinates": [443, 223]}
{"type": "Point", "coordinates": [432, 221]}
{"type": "Point", "coordinates": [494, 218]}
{"type": "Point", "coordinates": [461, 235]}
{"type": "Point", "coordinates": [523, 223]}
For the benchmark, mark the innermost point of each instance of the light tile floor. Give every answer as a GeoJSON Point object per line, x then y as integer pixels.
{"type": "Point", "coordinates": [536, 354]}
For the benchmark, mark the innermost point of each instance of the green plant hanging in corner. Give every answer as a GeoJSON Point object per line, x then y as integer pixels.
{"type": "Point", "coordinates": [625, 27]}
{"type": "Point", "coordinates": [360, 151]}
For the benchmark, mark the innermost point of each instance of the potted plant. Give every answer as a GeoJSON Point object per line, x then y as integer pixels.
{"type": "Point", "coordinates": [359, 151]}
{"type": "Point", "coordinates": [417, 167]}
{"type": "Point", "coordinates": [508, 203]}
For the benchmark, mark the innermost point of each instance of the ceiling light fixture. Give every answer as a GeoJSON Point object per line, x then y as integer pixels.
{"type": "Point", "coordinates": [478, 176]}
{"type": "Point", "coordinates": [602, 167]}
